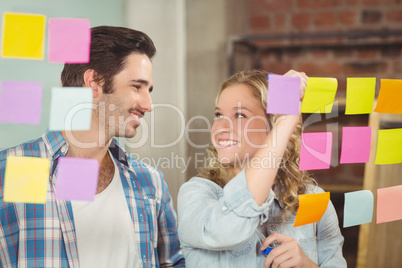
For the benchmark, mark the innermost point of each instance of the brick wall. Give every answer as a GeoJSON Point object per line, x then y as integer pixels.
{"type": "Point", "coordinates": [338, 56]}
{"type": "Point", "coordinates": [284, 16]}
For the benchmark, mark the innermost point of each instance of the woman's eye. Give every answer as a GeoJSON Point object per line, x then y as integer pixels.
{"type": "Point", "coordinates": [240, 115]}
{"type": "Point", "coordinates": [218, 115]}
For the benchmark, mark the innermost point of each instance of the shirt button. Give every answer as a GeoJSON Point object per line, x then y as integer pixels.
{"type": "Point", "coordinates": [261, 223]}
{"type": "Point", "coordinates": [63, 150]}
{"type": "Point", "coordinates": [224, 208]}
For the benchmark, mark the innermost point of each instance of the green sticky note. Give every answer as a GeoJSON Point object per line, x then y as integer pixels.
{"type": "Point", "coordinates": [319, 95]}
{"type": "Point", "coordinates": [23, 36]}
{"type": "Point", "coordinates": [389, 146]}
{"type": "Point", "coordinates": [26, 179]}
{"type": "Point", "coordinates": [360, 95]}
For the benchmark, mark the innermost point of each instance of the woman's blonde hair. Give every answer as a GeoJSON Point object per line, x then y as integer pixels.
{"type": "Point", "coordinates": [289, 181]}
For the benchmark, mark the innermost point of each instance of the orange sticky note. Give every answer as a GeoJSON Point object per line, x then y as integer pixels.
{"type": "Point", "coordinates": [390, 97]}
{"type": "Point", "coordinates": [311, 208]}
{"type": "Point", "coordinates": [389, 202]}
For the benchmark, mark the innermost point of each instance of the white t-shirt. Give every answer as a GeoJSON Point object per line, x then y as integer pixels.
{"type": "Point", "coordinates": [104, 229]}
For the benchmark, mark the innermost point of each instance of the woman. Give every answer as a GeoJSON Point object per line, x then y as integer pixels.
{"type": "Point", "coordinates": [247, 198]}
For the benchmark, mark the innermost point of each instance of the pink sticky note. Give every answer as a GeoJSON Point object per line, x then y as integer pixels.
{"type": "Point", "coordinates": [20, 102]}
{"type": "Point", "coordinates": [283, 94]}
{"type": "Point", "coordinates": [315, 151]}
{"type": "Point", "coordinates": [389, 202]}
{"type": "Point", "coordinates": [69, 40]}
{"type": "Point", "coordinates": [77, 179]}
{"type": "Point", "coordinates": [356, 142]}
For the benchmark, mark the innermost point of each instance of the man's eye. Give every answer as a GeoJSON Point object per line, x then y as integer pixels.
{"type": "Point", "coordinates": [137, 86]}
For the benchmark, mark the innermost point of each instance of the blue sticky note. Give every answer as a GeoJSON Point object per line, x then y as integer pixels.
{"type": "Point", "coordinates": [266, 251]}
{"type": "Point", "coordinates": [283, 94]}
{"type": "Point", "coordinates": [71, 108]}
{"type": "Point", "coordinates": [358, 208]}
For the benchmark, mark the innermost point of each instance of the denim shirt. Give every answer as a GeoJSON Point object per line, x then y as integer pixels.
{"type": "Point", "coordinates": [225, 227]}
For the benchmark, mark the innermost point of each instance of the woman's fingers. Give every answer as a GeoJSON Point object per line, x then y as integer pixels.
{"type": "Point", "coordinates": [303, 80]}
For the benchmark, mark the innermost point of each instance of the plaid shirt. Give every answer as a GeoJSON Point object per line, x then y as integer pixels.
{"type": "Point", "coordinates": [43, 235]}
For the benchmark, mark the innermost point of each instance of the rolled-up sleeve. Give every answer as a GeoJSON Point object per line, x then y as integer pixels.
{"type": "Point", "coordinates": [218, 219]}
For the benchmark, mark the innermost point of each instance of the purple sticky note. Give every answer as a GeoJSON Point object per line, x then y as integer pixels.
{"type": "Point", "coordinates": [356, 142]}
{"type": "Point", "coordinates": [77, 179]}
{"type": "Point", "coordinates": [69, 40]}
{"type": "Point", "coordinates": [283, 94]}
{"type": "Point", "coordinates": [315, 151]}
{"type": "Point", "coordinates": [20, 102]}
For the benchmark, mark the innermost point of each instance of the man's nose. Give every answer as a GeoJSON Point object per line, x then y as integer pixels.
{"type": "Point", "coordinates": [145, 102]}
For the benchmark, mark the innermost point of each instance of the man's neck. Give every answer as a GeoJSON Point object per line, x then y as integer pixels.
{"type": "Point", "coordinates": [87, 144]}
{"type": "Point", "coordinates": [84, 144]}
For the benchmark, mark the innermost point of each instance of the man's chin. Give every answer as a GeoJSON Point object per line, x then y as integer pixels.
{"type": "Point", "coordinates": [127, 134]}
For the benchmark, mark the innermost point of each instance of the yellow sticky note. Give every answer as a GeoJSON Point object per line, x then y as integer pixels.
{"type": "Point", "coordinates": [389, 146]}
{"type": "Point", "coordinates": [319, 95]}
{"type": "Point", "coordinates": [26, 179]}
{"type": "Point", "coordinates": [23, 36]}
{"type": "Point", "coordinates": [311, 208]}
{"type": "Point", "coordinates": [360, 94]}
{"type": "Point", "coordinates": [390, 97]}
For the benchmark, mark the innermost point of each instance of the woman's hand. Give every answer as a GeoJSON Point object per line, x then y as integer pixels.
{"type": "Point", "coordinates": [292, 120]}
{"type": "Point", "coordinates": [288, 254]}
{"type": "Point", "coordinates": [303, 80]}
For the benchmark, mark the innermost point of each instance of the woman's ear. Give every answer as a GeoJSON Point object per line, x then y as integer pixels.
{"type": "Point", "coordinates": [89, 80]}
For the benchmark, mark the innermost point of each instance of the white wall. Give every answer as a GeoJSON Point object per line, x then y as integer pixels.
{"type": "Point", "coordinates": [99, 12]}
{"type": "Point", "coordinates": [164, 22]}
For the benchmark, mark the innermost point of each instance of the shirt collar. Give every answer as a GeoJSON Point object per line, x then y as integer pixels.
{"type": "Point", "coordinates": [118, 152]}
{"type": "Point", "coordinates": [275, 195]}
{"type": "Point", "coordinates": [55, 143]}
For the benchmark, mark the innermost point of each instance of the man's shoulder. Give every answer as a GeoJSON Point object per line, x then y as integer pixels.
{"type": "Point", "coordinates": [144, 167]}
{"type": "Point", "coordinates": [29, 148]}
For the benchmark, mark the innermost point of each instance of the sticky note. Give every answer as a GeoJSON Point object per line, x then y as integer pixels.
{"type": "Point", "coordinates": [389, 146]}
{"type": "Point", "coordinates": [311, 208]}
{"type": "Point", "coordinates": [77, 179]}
{"type": "Point", "coordinates": [390, 97]}
{"type": "Point", "coordinates": [283, 95]}
{"type": "Point", "coordinates": [315, 151]}
{"type": "Point", "coordinates": [20, 102]}
{"type": "Point", "coordinates": [356, 143]}
{"type": "Point", "coordinates": [23, 36]}
{"type": "Point", "coordinates": [319, 95]}
{"type": "Point", "coordinates": [26, 179]}
{"type": "Point", "coordinates": [360, 94]}
{"type": "Point", "coordinates": [69, 40]}
{"type": "Point", "coordinates": [71, 108]}
{"type": "Point", "coordinates": [389, 202]}
{"type": "Point", "coordinates": [358, 208]}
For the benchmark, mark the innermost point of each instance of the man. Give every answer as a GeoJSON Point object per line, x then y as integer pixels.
{"type": "Point", "coordinates": [131, 222]}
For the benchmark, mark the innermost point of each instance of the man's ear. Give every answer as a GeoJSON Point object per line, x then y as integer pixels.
{"type": "Point", "coordinates": [89, 80]}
